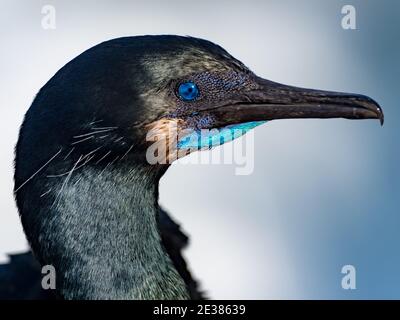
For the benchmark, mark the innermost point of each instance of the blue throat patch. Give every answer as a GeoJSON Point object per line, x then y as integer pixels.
{"type": "Point", "coordinates": [206, 139]}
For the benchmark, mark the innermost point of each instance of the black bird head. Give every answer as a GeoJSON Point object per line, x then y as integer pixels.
{"type": "Point", "coordinates": [130, 90]}
{"type": "Point", "coordinates": [85, 188]}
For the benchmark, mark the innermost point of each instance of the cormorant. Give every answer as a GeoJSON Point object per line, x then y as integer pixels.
{"type": "Point", "coordinates": [85, 190]}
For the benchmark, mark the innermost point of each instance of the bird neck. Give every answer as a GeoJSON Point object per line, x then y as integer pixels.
{"type": "Point", "coordinates": [104, 238]}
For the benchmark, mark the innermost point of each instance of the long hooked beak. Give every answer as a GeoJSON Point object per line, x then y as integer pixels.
{"type": "Point", "coordinates": [271, 100]}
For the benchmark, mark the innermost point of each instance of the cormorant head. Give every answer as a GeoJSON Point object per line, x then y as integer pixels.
{"type": "Point", "coordinates": [84, 185]}
{"type": "Point", "coordinates": [198, 85]}
{"type": "Point", "coordinates": [121, 95]}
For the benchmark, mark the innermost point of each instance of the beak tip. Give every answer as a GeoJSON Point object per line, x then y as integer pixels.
{"type": "Point", "coordinates": [373, 106]}
{"type": "Point", "coordinates": [381, 116]}
{"type": "Point", "coordinates": [379, 113]}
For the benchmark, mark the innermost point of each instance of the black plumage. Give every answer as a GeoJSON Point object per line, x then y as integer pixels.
{"type": "Point", "coordinates": [85, 188]}
{"type": "Point", "coordinates": [20, 278]}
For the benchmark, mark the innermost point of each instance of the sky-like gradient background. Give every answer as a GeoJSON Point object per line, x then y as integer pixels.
{"type": "Point", "coordinates": [324, 193]}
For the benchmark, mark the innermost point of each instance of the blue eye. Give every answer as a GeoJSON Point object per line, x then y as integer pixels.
{"type": "Point", "coordinates": [188, 91]}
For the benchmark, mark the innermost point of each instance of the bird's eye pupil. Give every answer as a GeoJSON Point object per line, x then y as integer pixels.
{"type": "Point", "coordinates": [188, 91]}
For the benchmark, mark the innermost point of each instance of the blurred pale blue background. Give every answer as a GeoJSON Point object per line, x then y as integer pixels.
{"type": "Point", "coordinates": [323, 193]}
